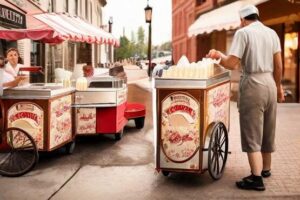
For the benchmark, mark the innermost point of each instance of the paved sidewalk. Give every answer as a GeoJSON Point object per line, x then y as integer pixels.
{"type": "Point", "coordinates": [104, 169]}
{"type": "Point", "coordinates": [285, 179]}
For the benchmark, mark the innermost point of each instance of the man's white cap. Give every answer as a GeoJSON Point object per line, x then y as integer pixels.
{"type": "Point", "coordinates": [248, 10]}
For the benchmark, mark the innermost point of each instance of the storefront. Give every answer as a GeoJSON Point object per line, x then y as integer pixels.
{"type": "Point", "coordinates": [10, 17]}
{"type": "Point", "coordinates": [215, 30]}
{"type": "Point", "coordinates": [286, 22]}
{"type": "Point", "coordinates": [71, 42]}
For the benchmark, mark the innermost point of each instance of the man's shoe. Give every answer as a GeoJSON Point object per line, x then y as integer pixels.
{"type": "Point", "coordinates": [266, 173]}
{"type": "Point", "coordinates": [251, 183]}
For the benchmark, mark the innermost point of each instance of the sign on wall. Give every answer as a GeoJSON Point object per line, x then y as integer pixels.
{"type": "Point", "coordinates": [11, 18]}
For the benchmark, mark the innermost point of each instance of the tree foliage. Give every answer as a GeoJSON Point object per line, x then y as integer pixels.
{"type": "Point", "coordinates": [137, 47]}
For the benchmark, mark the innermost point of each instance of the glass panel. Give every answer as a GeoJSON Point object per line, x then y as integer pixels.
{"type": "Point", "coordinates": [84, 53]}
{"type": "Point", "coordinates": [69, 56]}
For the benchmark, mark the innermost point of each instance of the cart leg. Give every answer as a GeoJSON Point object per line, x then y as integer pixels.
{"type": "Point", "coordinates": [165, 173]}
{"type": "Point", "coordinates": [70, 147]}
{"type": "Point", "coordinates": [119, 135]}
{"type": "Point", "coordinates": [139, 122]}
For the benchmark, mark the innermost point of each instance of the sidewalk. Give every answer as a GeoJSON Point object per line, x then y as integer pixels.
{"type": "Point", "coordinates": [285, 180]}
{"type": "Point", "coordinates": [101, 168]}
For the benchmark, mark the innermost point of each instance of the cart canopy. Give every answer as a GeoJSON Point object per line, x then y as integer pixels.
{"type": "Point", "coordinates": [57, 27]}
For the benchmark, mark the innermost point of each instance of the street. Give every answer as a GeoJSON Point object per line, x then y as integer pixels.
{"type": "Point", "coordinates": [101, 168]}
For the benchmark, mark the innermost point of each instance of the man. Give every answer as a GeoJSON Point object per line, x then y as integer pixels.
{"type": "Point", "coordinates": [257, 49]}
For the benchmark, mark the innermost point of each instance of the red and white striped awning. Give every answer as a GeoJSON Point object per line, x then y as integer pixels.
{"type": "Point", "coordinates": [55, 28]}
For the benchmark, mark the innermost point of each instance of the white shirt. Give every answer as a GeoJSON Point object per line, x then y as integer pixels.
{"type": "Point", "coordinates": [255, 45]}
{"type": "Point", "coordinates": [13, 71]}
{"type": "Point", "coordinates": [4, 78]}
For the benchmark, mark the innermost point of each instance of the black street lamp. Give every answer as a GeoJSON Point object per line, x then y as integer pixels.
{"type": "Point", "coordinates": [148, 16]}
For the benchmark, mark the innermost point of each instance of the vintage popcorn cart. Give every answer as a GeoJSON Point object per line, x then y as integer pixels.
{"type": "Point", "coordinates": [100, 108]}
{"type": "Point", "coordinates": [37, 117]}
{"type": "Point", "coordinates": [192, 117]}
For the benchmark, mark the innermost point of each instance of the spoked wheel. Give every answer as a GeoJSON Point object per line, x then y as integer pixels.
{"type": "Point", "coordinates": [217, 150]}
{"type": "Point", "coordinates": [21, 154]}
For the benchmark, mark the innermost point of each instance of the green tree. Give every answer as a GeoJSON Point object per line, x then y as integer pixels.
{"type": "Point", "coordinates": [140, 46]}
{"type": "Point", "coordinates": [124, 50]}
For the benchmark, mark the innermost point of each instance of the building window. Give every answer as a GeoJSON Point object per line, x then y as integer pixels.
{"type": "Point", "coordinates": [53, 5]}
{"type": "Point", "coordinates": [69, 56]}
{"type": "Point", "coordinates": [37, 59]}
{"type": "Point", "coordinates": [84, 52]}
{"type": "Point", "coordinates": [199, 2]}
{"type": "Point", "coordinates": [86, 9]}
{"type": "Point", "coordinates": [35, 54]}
{"type": "Point", "coordinates": [76, 7]}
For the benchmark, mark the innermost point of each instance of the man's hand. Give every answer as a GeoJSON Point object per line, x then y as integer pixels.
{"type": "Point", "coordinates": [18, 79]}
{"type": "Point", "coordinates": [214, 54]}
{"type": "Point", "coordinates": [280, 94]}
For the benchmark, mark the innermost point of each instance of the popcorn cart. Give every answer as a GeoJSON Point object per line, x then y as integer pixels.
{"type": "Point", "coordinates": [99, 108]}
{"type": "Point", "coordinates": [36, 117]}
{"type": "Point", "coordinates": [191, 110]}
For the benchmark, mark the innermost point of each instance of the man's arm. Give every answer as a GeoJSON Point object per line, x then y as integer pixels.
{"type": "Point", "coordinates": [278, 75]}
{"type": "Point", "coordinates": [15, 82]}
{"type": "Point", "coordinates": [229, 62]}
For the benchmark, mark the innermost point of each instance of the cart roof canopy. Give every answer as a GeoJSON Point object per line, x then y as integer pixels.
{"type": "Point", "coordinates": [57, 27]}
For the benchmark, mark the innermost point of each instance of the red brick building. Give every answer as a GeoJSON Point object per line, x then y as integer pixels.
{"type": "Point", "coordinates": [215, 21]}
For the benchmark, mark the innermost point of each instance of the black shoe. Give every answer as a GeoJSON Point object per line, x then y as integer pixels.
{"type": "Point", "coordinates": [251, 183]}
{"type": "Point", "coordinates": [266, 173]}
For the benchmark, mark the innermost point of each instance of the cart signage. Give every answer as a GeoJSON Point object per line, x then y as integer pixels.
{"type": "Point", "coordinates": [29, 117]}
{"type": "Point", "coordinates": [218, 100]}
{"type": "Point", "coordinates": [60, 121]}
{"type": "Point", "coordinates": [86, 121]}
{"type": "Point", "coordinates": [179, 130]}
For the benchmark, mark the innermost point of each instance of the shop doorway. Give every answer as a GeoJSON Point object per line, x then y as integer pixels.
{"type": "Point", "coordinates": [290, 79]}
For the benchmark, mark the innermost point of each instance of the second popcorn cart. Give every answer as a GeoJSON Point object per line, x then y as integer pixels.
{"type": "Point", "coordinates": [192, 117]}
{"type": "Point", "coordinates": [99, 109]}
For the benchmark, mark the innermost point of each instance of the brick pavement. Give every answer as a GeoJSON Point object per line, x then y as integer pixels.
{"type": "Point", "coordinates": [285, 179]}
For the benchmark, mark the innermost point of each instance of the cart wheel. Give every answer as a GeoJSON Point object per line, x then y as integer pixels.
{"type": "Point", "coordinates": [119, 135]}
{"type": "Point", "coordinates": [217, 150]}
{"type": "Point", "coordinates": [21, 154]}
{"type": "Point", "coordinates": [165, 173]}
{"type": "Point", "coordinates": [70, 147]}
{"type": "Point", "coordinates": [139, 122]}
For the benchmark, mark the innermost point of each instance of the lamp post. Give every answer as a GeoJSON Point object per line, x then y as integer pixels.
{"type": "Point", "coordinates": [148, 16]}
{"type": "Point", "coordinates": [110, 49]}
